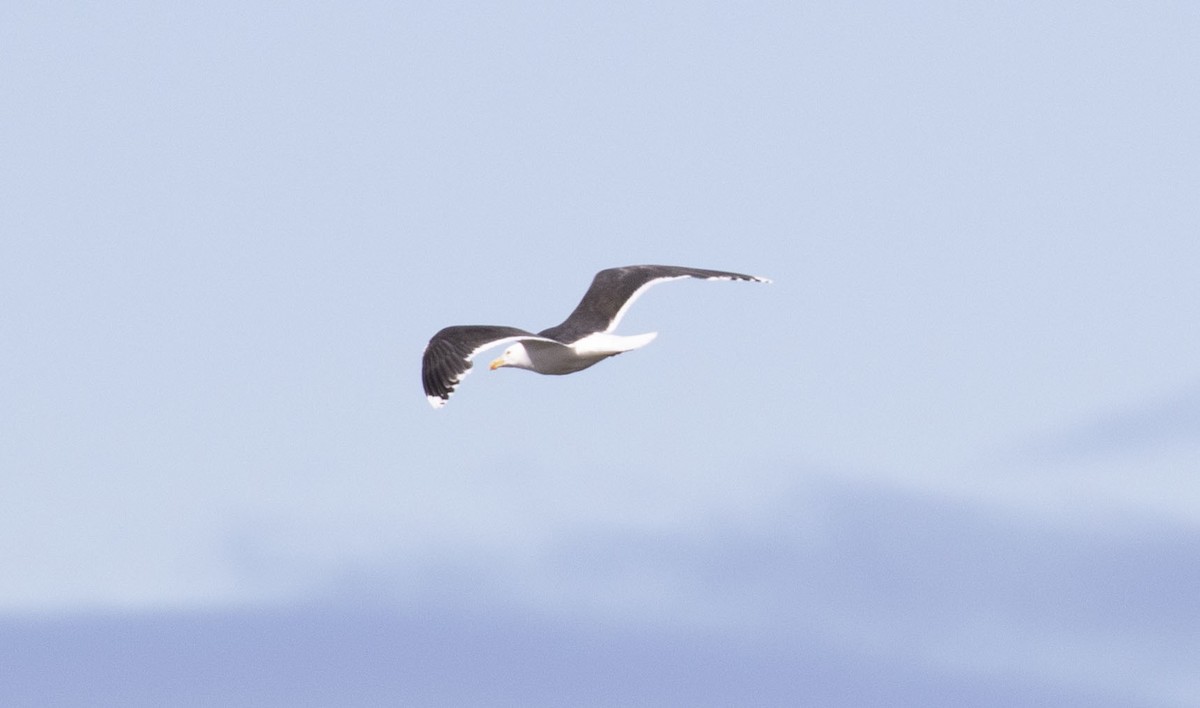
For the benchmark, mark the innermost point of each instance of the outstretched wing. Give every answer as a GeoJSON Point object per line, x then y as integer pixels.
{"type": "Point", "coordinates": [447, 358]}
{"type": "Point", "coordinates": [613, 290]}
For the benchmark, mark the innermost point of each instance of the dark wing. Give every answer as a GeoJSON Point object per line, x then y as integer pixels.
{"type": "Point", "coordinates": [447, 358]}
{"type": "Point", "coordinates": [613, 290]}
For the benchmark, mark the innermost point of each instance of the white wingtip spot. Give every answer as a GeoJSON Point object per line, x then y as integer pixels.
{"type": "Point", "coordinates": [751, 278]}
{"type": "Point", "coordinates": [436, 401]}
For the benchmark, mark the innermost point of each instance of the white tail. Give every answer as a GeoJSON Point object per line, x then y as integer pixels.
{"type": "Point", "coordinates": [604, 343]}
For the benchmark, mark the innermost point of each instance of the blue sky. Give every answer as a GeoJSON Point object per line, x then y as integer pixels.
{"type": "Point", "coordinates": [950, 456]}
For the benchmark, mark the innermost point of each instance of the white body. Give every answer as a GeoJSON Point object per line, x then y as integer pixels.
{"type": "Point", "coordinates": [546, 357]}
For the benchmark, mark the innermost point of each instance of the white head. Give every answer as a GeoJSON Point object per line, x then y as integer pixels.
{"type": "Point", "coordinates": [515, 356]}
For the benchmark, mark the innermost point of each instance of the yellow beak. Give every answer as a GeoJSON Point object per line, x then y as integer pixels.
{"type": "Point", "coordinates": [496, 364]}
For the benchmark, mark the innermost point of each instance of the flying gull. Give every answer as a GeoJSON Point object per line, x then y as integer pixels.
{"type": "Point", "coordinates": [583, 339]}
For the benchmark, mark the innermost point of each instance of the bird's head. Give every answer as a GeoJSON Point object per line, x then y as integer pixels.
{"type": "Point", "coordinates": [513, 356]}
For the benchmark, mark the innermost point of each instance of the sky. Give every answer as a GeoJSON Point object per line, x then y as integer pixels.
{"type": "Point", "coordinates": [950, 456]}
